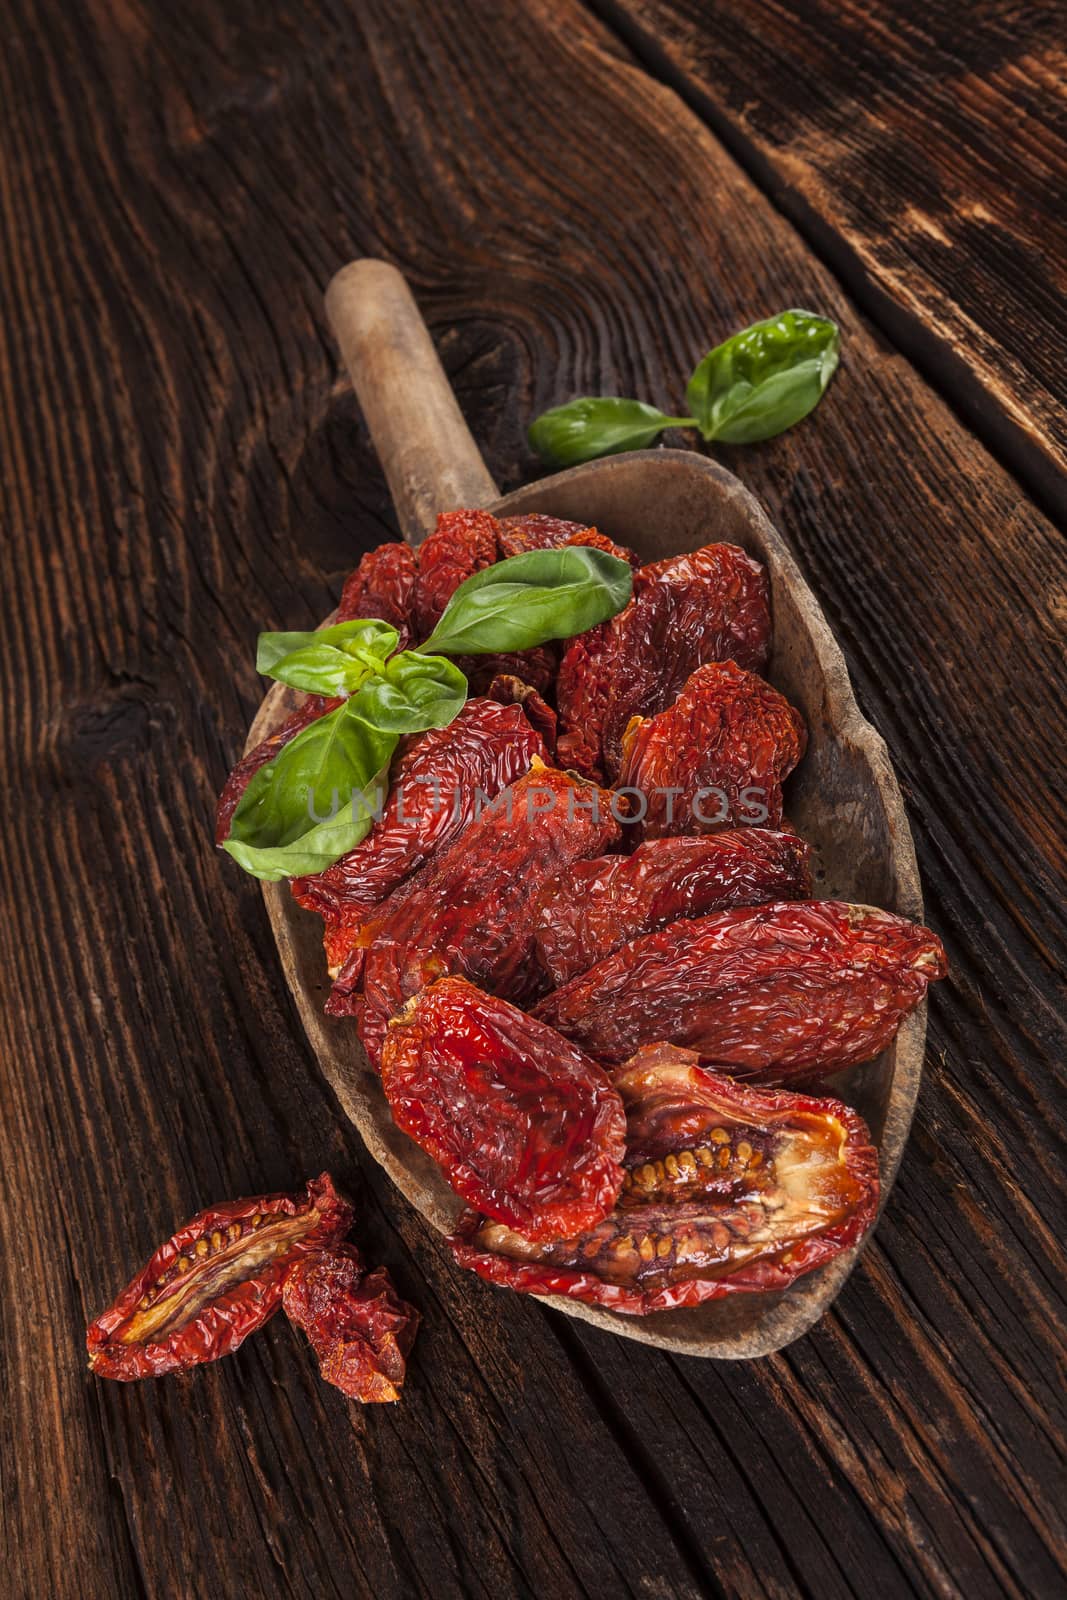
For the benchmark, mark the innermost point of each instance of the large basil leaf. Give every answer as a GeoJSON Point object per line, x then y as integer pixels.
{"type": "Point", "coordinates": [413, 692]}
{"type": "Point", "coordinates": [328, 661]}
{"type": "Point", "coordinates": [530, 598]}
{"type": "Point", "coordinates": [591, 426]}
{"type": "Point", "coordinates": [764, 379]}
{"type": "Point", "coordinates": [315, 801]}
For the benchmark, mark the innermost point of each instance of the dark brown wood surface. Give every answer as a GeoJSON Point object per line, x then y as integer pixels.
{"type": "Point", "coordinates": [920, 149]}
{"type": "Point", "coordinates": [181, 466]}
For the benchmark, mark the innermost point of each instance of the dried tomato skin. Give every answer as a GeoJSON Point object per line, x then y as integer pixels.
{"type": "Point", "coordinates": [535, 531]}
{"type": "Point", "coordinates": [472, 909]}
{"type": "Point", "coordinates": [768, 991]}
{"type": "Point", "coordinates": [524, 1126]}
{"type": "Point", "coordinates": [383, 587]}
{"type": "Point", "coordinates": [357, 1324]}
{"type": "Point", "coordinates": [309, 711]}
{"type": "Point", "coordinates": [462, 543]}
{"type": "Point", "coordinates": [702, 1213]}
{"type": "Point", "coordinates": [711, 605]}
{"type": "Point", "coordinates": [537, 667]}
{"type": "Point", "coordinates": [433, 795]}
{"type": "Point", "coordinates": [716, 758]}
{"type": "Point", "coordinates": [223, 1322]}
{"type": "Point", "coordinates": [594, 907]}
{"type": "Point", "coordinates": [509, 690]}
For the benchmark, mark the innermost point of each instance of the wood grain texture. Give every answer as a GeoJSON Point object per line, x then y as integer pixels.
{"type": "Point", "coordinates": [921, 149]}
{"type": "Point", "coordinates": [181, 467]}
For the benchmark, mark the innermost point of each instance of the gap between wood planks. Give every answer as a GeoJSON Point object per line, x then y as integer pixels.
{"type": "Point", "coordinates": [932, 357]}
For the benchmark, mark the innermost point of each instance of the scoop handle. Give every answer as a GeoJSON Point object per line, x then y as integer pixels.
{"type": "Point", "coordinates": [428, 454]}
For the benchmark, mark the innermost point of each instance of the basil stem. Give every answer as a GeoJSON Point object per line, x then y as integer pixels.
{"type": "Point", "coordinates": [764, 379]}
{"type": "Point", "coordinates": [589, 427]}
{"type": "Point", "coordinates": [531, 598]}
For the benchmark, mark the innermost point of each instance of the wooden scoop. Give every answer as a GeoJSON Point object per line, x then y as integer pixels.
{"type": "Point", "coordinates": [843, 798]}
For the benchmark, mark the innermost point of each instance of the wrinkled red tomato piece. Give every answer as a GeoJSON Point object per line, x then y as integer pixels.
{"type": "Point", "coordinates": [462, 543]}
{"type": "Point", "coordinates": [434, 792]}
{"type": "Point", "coordinates": [236, 784]}
{"type": "Point", "coordinates": [593, 907]}
{"type": "Point", "coordinates": [356, 1323]}
{"type": "Point", "coordinates": [512, 691]}
{"type": "Point", "coordinates": [537, 667]}
{"type": "Point", "coordinates": [535, 531]}
{"type": "Point", "coordinates": [727, 1189]}
{"type": "Point", "coordinates": [771, 990]}
{"type": "Point", "coordinates": [214, 1282]}
{"type": "Point", "coordinates": [716, 758]}
{"type": "Point", "coordinates": [383, 588]}
{"type": "Point", "coordinates": [709, 606]}
{"type": "Point", "coordinates": [472, 909]}
{"type": "Point", "coordinates": [524, 1126]}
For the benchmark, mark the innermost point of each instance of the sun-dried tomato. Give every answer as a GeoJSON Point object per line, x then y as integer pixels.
{"type": "Point", "coordinates": [509, 690]}
{"type": "Point", "coordinates": [716, 758]}
{"type": "Point", "coordinates": [438, 782]}
{"type": "Point", "coordinates": [535, 531]}
{"type": "Point", "coordinates": [382, 587]}
{"type": "Point", "coordinates": [593, 907]}
{"type": "Point", "coordinates": [245, 770]}
{"type": "Point", "coordinates": [356, 1323]}
{"type": "Point", "coordinates": [462, 543]}
{"type": "Point", "coordinates": [524, 1125]}
{"type": "Point", "coordinates": [214, 1282]}
{"type": "Point", "coordinates": [727, 1189]}
{"type": "Point", "coordinates": [537, 667]}
{"type": "Point", "coordinates": [709, 606]}
{"type": "Point", "coordinates": [770, 990]}
{"type": "Point", "coordinates": [472, 909]}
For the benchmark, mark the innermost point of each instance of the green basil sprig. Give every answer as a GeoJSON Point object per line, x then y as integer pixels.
{"type": "Point", "coordinates": [329, 661]}
{"type": "Point", "coordinates": [753, 386]}
{"type": "Point", "coordinates": [318, 798]}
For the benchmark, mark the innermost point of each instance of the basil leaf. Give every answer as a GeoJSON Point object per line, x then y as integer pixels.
{"type": "Point", "coordinates": [764, 379]}
{"type": "Point", "coordinates": [315, 800]}
{"type": "Point", "coordinates": [328, 661]}
{"type": "Point", "coordinates": [529, 598]}
{"type": "Point", "coordinates": [589, 427]}
{"type": "Point", "coordinates": [413, 692]}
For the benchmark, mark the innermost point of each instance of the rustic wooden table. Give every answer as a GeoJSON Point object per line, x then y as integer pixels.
{"type": "Point", "coordinates": [584, 197]}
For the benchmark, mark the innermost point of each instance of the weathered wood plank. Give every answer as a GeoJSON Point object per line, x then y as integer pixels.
{"type": "Point", "coordinates": [922, 151]}
{"type": "Point", "coordinates": [183, 467]}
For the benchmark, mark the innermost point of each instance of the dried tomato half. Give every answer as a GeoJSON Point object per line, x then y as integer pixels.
{"type": "Point", "coordinates": [438, 781]}
{"type": "Point", "coordinates": [727, 1189]}
{"type": "Point", "coordinates": [537, 667]}
{"type": "Point", "coordinates": [357, 1324]}
{"type": "Point", "coordinates": [471, 909]}
{"type": "Point", "coordinates": [214, 1282]}
{"type": "Point", "coordinates": [512, 691]}
{"type": "Point", "coordinates": [594, 907]}
{"type": "Point", "coordinates": [383, 586]}
{"type": "Point", "coordinates": [771, 990]}
{"type": "Point", "coordinates": [535, 531]}
{"type": "Point", "coordinates": [245, 770]}
{"type": "Point", "coordinates": [523, 1124]}
{"type": "Point", "coordinates": [462, 543]}
{"type": "Point", "coordinates": [709, 606]}
{"type": "Point", "coordinates": [716, 758]}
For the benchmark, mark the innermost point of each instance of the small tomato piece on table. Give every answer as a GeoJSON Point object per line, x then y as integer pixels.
{"type": "Point", "coordinates": [357, 1324]}
{"type": "Point", "coordinates": [214, 1282]}
{"type": "Point", "coordinates": [524, 1125]}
